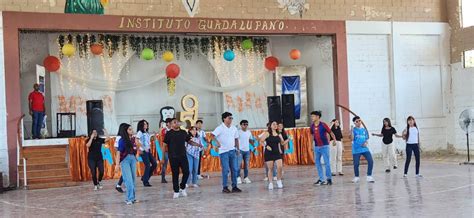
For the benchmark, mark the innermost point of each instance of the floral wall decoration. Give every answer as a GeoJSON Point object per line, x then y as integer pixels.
{"type": "Point", "coordinates": [191, 6]}
{"type": "Point", "coordinates": [212, 46]}
{"type": "Point", "coordinates": [85, 6]}
{"type": "Point", "coordinates": [294, 6]}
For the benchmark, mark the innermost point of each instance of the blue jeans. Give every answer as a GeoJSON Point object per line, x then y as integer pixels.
{"type": "Point", "coordinates": [150, 165]}
{"type": "Point", "coordinates": [129, 169]}
{"type": "Point", "coordinates": [37, 124]}
{"type": "Point", "coordinates": [244, 157]}
{"type": "Point", "coordinates": [193, 169]}
{"type": "Point", "coordinates": [318, 152]}
{"type": "Point", "coordinates": [274, 170]}
{"type": "Point", "coordinates": [229, 163]}
{"type": "Point", "coordinates": [356, 160]}
{"type": "Point", "coordinates": [165, 165]}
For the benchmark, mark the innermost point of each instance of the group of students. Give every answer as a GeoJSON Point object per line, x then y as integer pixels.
{"type": "Point", "coordinates": [184, 149]}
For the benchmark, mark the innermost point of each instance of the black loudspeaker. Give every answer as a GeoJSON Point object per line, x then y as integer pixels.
{"type": "Point", "coordinates": [95, 116]}
{"type": "Point", "coordinates": [288, 110]}
{"type": "Point", "coordinates": [274, 108]}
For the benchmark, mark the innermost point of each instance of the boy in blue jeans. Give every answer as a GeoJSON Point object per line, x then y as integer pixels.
{"type": "Point", "coordinates": [320, 130]}
{"type": "Point", "coordinates": [360, 138]}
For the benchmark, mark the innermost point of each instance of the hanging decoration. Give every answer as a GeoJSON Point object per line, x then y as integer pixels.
{"type": "Point", "coordinates": [51, 63]}
{"type": "Point", "coordinates": [168, 56]}
{"type": "Point", "coordinates": [187, 46]}
{"type": "Point", "coordinates": [172, 72]}
{"type": "Point", "coordinates": [295, 54]}
{"type": "Point", "coordinates": [229, 55]}
{"type": "Point", "coordinates": [97, 49]}
{"type": "Point", "coordinates": [247, 44]}
{"type": "Point", "coordinates": [147, 54]}
{"type": "Point", "coordinates": [271, 63]}
{"type": "Point", "coordinates": [68, 49]}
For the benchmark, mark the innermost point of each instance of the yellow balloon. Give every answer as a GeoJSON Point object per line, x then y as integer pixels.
{"type": "Point", "coordinates": [168, 56]}
{"type": "Point", "coordinates": [68, 50]}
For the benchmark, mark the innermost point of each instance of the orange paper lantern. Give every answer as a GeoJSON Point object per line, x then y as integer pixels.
{"type": "Point", "coordinates": [295, 54]}
{"type": "Point", "coordinates": [97, 49]}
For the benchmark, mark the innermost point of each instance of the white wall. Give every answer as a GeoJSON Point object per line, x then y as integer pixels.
{"type": "Point", "coordinates": [397, 70]}
{"type": "Point", "coordinates": [3, 113]}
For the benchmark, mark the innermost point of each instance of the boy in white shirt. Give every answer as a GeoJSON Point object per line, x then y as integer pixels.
{"type": "Point", "coordinates": [244, 146]}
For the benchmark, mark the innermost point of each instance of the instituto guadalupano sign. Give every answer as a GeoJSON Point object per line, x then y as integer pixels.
{"type": "Point", "coordinates": [201, 25]}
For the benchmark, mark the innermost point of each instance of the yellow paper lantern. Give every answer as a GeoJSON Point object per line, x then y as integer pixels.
{"type": "Point", "coordinates": [168, 56]}
{"type": "Point", "coordinates": [68, 49]}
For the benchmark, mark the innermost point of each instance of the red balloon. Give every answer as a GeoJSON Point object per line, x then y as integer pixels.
{"type": "Point", "coordinates": [295, 54]}
{"type": "Point", "coordinates": [51, 63]}
{"type": "Point", "coordinates": [172, 71]}
{"type": "Point", "coordinates": [96, 49]}
{"type": "Point", "coordinates": [271, 63]}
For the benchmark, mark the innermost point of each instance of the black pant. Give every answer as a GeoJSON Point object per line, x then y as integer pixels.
{"type": "Point", "coordinates": [150, 166]}
{"type": "Point", "coordinates": [178, 163]}
{"type": "Point", "coordinates": [416, 150]}
{"type": "Point", "coordinates": [199, 165]}
{"type": "Point", "coordinates": [93, 165]}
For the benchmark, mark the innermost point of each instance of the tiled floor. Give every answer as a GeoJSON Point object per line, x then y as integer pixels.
{"type": "Point", "coordinates": [447, 190]}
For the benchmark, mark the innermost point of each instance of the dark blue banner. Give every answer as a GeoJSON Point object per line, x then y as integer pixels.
{"type": "Point", "coordinates": [291, 85]}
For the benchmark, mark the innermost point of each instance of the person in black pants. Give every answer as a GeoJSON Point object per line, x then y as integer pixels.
{"type": "Point", "coordinates": [412, 136]}
{"type": "Point", "coordinates": [175, 142]}
{"type": "Point", "coordinates": [94, 157]}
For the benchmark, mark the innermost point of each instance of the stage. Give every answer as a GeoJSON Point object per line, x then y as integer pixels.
{"type": "Point", "coordinates": [445, 191]}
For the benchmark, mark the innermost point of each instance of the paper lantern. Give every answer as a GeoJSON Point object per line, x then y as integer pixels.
{"type": "Point", "coordinates": [295, 54]}
{"type": "Point", "coordinates": [172, 71]}
{"type": "Point", "coordinates": [147, 54]}
{"type": "Point", "coordinates": [51, 63]}
{"type": "Point", "coordinates": [68, 49]}
{"type": "Point", "coordinates": [271, 63]}
{"type": "Point", "coordinates": [168, 56]}
{"type": "Point", "coordinates": [247, 44]}
{"type": "Point", "coordinates": [97, 49]}
{"type": "Point", "coordinates": [229, 55]}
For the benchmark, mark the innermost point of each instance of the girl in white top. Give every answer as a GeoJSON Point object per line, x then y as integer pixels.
{"type": "Point", "coordinates": [412, 137]}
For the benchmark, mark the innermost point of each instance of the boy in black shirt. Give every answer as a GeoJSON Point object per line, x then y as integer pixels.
{"type": "Point", "coordinates": [175, 142]}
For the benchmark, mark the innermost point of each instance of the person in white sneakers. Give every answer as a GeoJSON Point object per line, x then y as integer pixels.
{"type": "Point", "coordinates": [244, 146]}
{"type": "Point", "coordinates": [388, 148]}
{"type": "Point", "coordinates": [360, 138]}
{"type": "Point", "coordinates": [336, 149]}
{"type": "Point", "coordinates": [273, 153]}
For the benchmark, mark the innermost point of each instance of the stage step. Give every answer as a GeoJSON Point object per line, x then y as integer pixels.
{"type": "Point", "coordinates": [48, 166]}
{"type": "Point", "coordinates": [51, 185]}
{"type": "Point", "coordinates": [47, 179]}
{"type": "Point", "coordinates": [46, 173]}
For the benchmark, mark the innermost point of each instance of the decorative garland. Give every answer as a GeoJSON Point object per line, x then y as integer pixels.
{"type": "Point", "coordinates": [187, 46]}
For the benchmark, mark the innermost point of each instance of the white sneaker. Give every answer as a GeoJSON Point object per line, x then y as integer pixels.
{"type": "Point", "coordinates": [247, 180]}
{"type": "Point", "coordinates": [96, 187]}
{"type": "Point", "coordinates": [419, 176]}
{"type": "Point", "coordinates": [370, 179]}
{"type": "Point", "coordinates": [405, 176]}
{"type": "Point", "coordinates": [129, 202]}
{"type": "Point", "coordinates": [183, 193]}
{"type": "Point", "coordinates": [100, 186]}
{"type": "Point", "coordinates": [195, 185]}
{"type": "Point", "coordinates": [275, 178]}
{"type": "Point", "coordinates": [200, 177]}
{"type": "Point", "coordinates": [270, 186]}
{"type": "Point", "coordinates": [239, 180]}
{"type": "Point", "coordinates": [265, 179]}
{"type": "Point", "coordinates": [356, 180]}
{"type": "Point", "coordinates": [279, 184]}
{"type": "Point", "coordinates": [176, 195]}
{"type": "Point", "coordinates": [187, 185]}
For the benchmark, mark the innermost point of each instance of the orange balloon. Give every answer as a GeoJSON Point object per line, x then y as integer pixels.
{"type": "Point", "coordinates": [96, 49]}
{"type": "Point", "coordinates": [295, 54]}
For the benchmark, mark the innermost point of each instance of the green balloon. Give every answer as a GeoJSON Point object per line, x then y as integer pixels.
{"type": "Point", "coordinates": [147, 54]}
{"type": "Point", "coordinates": [247, 44]}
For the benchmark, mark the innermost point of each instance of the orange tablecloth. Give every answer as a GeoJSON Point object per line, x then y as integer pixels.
{"type": "Point", "coordinates": [302, 155]}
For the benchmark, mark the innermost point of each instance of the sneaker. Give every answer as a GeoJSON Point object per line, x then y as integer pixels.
{"type": "Point", "coordinates": [270, 186]}
{"type": "Point", "coordinates": [147, 185]}
{"type": "Point", "coordinates": [318, 182]}
{"type": "Point", "coordinates": [323, 183]}
{"type": "Point", "coordinates": [387, 170]}
{"type": "Point", "coordinates": [265, 179]}
{"type": "Point", "coordinates": [119, 188]}
{"type": "Point", "coordinates": [239, 180]}
{"type": "Point", "coordinates": [279, 184]}
{"type": "Point", "coordinates": [236, 190]}
{"type": "Point", "coordinates": [341, 174]}
{"type": "Point", "coordinates": [200, 177]}
{"type": "Point", "coordinates": [176, 195]}
{"type": "Point", "coordinates": [183, 192]}
{"type": "Point", "coordinates": [163, 180]}
{"type": "Point", "coordinates": [370, 179]}
{"type": "Point", "coordinates": [275, 178]}
{"type": "Point", "coordinates": [187, 185]}
{"type": "Point", "coordinates": [195, 185]}
{"type": "Point", "coordinates": [356, 180]}
{"type": "Point", "coordinates": [135, 201]}
{"type": "Point", "coordinates": [225, 190]}
{"type": "Point", "coordinates": [419, 176]}
{"type": "Point", "coordinates": [395, 167]}
{"type": "Point", "coordinates": [405, 176]}
{"type": "Point", "coordinates": [333, 174]}
{"type": "Point", "coordinates": [100, 186]}
{"type": "Point", "coordinates": [329, 182]}
{"type": "Point", "coordinates": [247, 180]}
{"type": "Point", "coordinates": [129, 202]}
{"type": "Point", "coordinates": [96, 187]}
